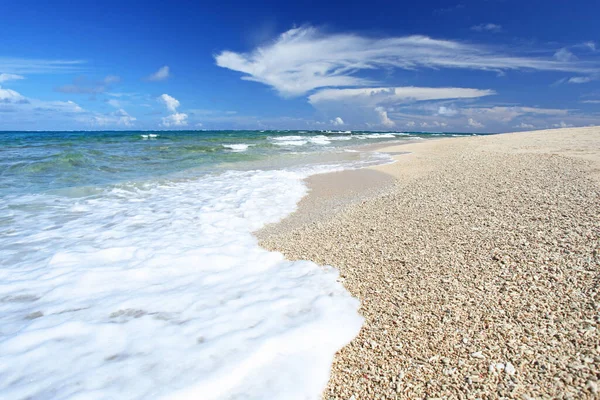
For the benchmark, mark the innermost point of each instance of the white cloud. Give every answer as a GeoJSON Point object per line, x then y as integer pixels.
{"type": "Point", "coordinates": [487, 27]}
{"type": "Point", "coordinates": [564, 55]}
{"type": "Point", "coordinates": [591, 101]}
{"type": "Point", "coordinates": [492, 118]}
{"type": "Point", "coordinates": [64, 107]}
{"type": "Point", "coordinates": [41, 113]}
{"type": "Point", "coordinates": [410, 124]}
{"type": "Point", "coordinates": [473, 123]}
{"type": "Point", "coordinates": [337, 121]}
{"type": "Point", "coordinates": [9, 96]}
{"type": "Point", "coordinates": [171, 102]}
{"type": "Point", "coordinates": [82, 85]}
{"type": "Point", "coordinates": [394, 95]}
{"type": "Point", "coordinates": [62, 112]}
{"type": "Point", "coordinates": [117, 94]}
{"type": "Point", "coordinates": [450, 9]}
{"type": "Point", "coordinates": [10, 77]}
{"type": "Point", "coordinates": [507, 114]}
{"type": "Point", "coordinates": [449, 112]}
{"type": "Point", "coordinates": [433, 124]}
{"type": "Point", "coordinates": [580, 79]}
{"type": "Point", "coordinates": [383, 117]}
{"type": "Point", "coordinates": [13, 65]}
{"type": "Point", "coordinates": [114, 103]}
{"type": "Point", "coordinates": [112, 79]}
{"type": "Point", "coordinates": [119, 117]}
{"type": "Point", "coordinates": [589, 44]}
{"type": "Point", "coordinates": [365, 105]}
{"type": "Point", "coordinates": [562, 124]}
{"type": "Point", "coordinates": [304, 59]}
{"type": "Point", "coordinates": [523, 125]}
{"type": "Point", "coordinates": [160, 75]}
{"type": "Point", "coordinates": [177, 119]}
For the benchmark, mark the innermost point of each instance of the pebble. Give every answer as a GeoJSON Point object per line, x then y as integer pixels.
{"type": "Point", "coordinates": [510, 369]}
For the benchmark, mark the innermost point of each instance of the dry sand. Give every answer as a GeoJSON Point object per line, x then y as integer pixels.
{"type": "Point", "coordinates": [477, 268]}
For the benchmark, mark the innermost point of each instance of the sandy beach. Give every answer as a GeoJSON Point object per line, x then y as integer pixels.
{"type": "Point", "coordinates": [476, 262]}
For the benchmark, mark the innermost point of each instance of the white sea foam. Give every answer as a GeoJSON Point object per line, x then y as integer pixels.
{"type": "Point", "coordinates": [302, 140]}
{"type": "Point", "coordinates": [159, 290]}
{"type": "Point", "coordinates": [287, 138]}
{"type": "Point", "coordinates": [320, 139]}
{"type": "Point", "coordinates": [291, 142]}
{"type": "Point", "coordinates": [237, 147]}
{"type": "Point", "coordinates": [376, 136]}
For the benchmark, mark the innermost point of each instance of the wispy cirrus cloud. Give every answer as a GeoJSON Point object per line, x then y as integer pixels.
{"type": "Point", "coordinates": [24, 66]}
{"type": "Point", "coordinates": [494, 28]}
{"type": "Point", "coordinates": [565, 55]}
{"type": "Point", "coordinates": [82, 85]}
{"type": "Point", "coordinates": [393, 95]}
{"type": "Point", "coordinates": [303, 59]}
{"type": "Point", "coordinates": [509, 113]}
{"type": "Point", "coordinates": [10, 77]}
{"type": "Point", "coordinates": [589, 45]}
{"type": "Point", "coordinates": [580, 79]}
{"type": "Point", "coordinates": [160, 75]}
{"type": "Point", "coordinates": [450, 9]}
{"type": "Point", "coordinates": [113, 103]}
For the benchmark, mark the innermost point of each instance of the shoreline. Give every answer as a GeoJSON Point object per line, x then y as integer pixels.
{"type": "Point", "coordinates": [474, 259]}
{"type": "Point", "coordinates": [329, 193]}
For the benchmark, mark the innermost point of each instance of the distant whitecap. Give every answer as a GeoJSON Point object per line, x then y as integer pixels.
{"type": "Point", "coordinates": [237, 147]}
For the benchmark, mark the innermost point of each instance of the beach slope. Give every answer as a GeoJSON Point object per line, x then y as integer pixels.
{"type": "Point", "coordinates": [477, 269]}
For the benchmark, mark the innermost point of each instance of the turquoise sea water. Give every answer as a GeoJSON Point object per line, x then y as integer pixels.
{"type": "Point", "coordinates": [38, 161]}
{"type": "Point", "coordinates": [128, 268]}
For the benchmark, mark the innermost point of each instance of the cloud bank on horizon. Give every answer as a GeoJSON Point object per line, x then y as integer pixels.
{"type": "Point", "coordinates": [307, 77]}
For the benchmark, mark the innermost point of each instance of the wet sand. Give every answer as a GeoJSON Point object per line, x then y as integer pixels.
{"type": "Point", "coordinates": [476, 261]}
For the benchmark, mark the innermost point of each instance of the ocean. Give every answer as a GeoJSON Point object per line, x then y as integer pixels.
{"type": "Point", "coordinates": [128, 268]}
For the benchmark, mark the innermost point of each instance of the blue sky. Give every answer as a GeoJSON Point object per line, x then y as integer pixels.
{"type": "Point", "coordinates": [472, 65]}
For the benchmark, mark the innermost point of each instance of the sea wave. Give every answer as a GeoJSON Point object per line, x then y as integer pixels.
{"type": "Point", "coordinates": [237, 147]}
{"type": "Point", "coordinates": [159, 288]}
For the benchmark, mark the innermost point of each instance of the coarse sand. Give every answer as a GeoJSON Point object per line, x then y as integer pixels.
{"type": "Point", "coordinates": [476, 262]}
